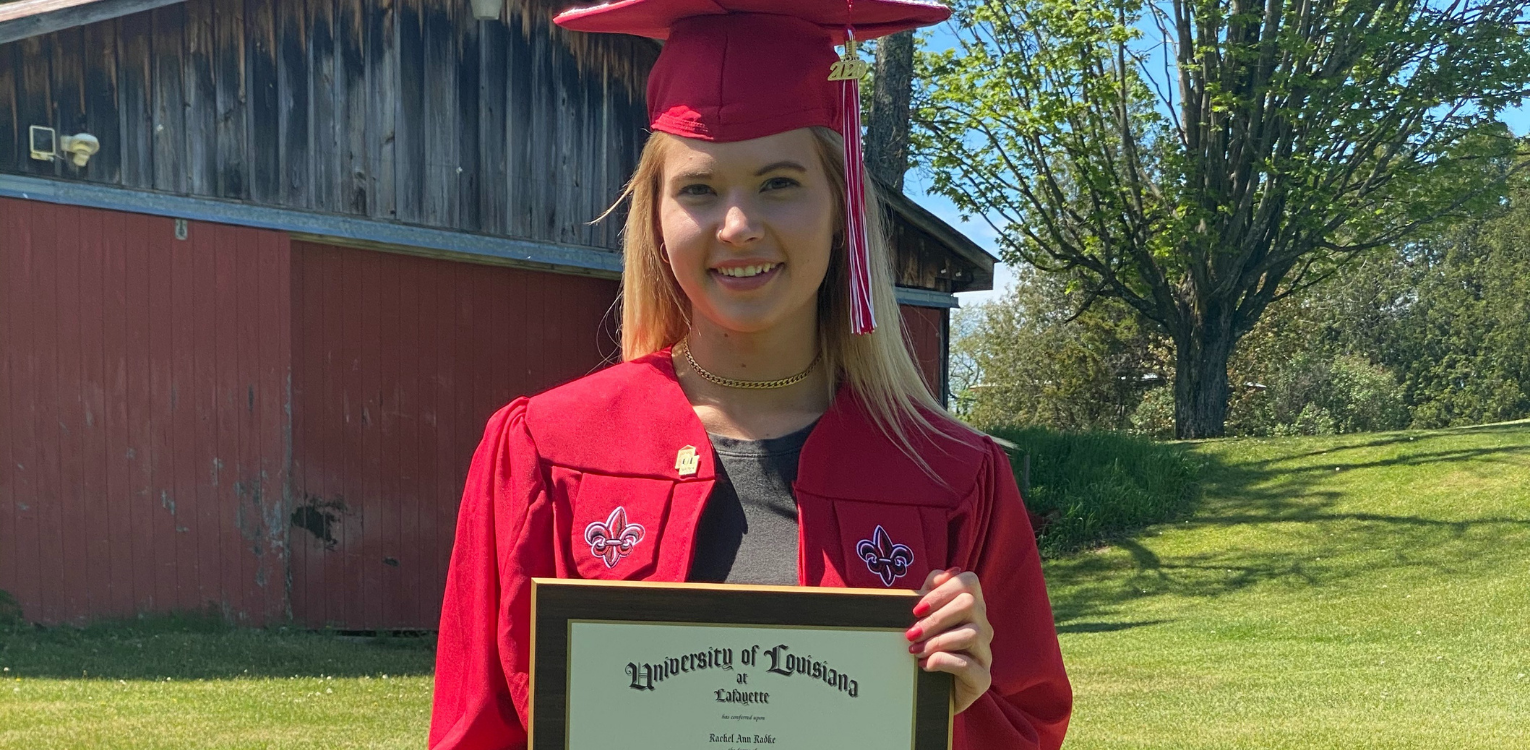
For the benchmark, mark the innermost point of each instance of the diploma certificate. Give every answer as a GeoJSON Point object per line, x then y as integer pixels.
{"type": "Point", "coordinates": [705, 667]}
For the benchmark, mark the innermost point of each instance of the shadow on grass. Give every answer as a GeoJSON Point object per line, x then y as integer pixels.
{"type": "Point", "coordinates": [195, 647]}
{"type": "Point", "coordinates": [1105, 627]}
{"type": "Point", "coordinates": [1517, 425]}
{"type": "Point", "coordinates": [1308, 535]}
{"type": "Point", "coordinates": [1497, 454]}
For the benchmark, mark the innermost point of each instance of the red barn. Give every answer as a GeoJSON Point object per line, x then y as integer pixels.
{"type": "Point", "coordinates": [244, 351]}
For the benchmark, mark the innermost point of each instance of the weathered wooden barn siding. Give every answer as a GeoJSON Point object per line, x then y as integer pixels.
{"type": "Point", "coordinates": [398, 361]}
{"type": "Point", "coordinates": [399, 110]}
{"type": "Point", "coordinates": [925, 330]}
{"type": "Point", "coordinates": [143, 401]}
{"type": "Point", "coordinates": [922, 262]}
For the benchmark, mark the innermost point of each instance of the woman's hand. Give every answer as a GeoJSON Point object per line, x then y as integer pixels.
{"type": "Point", "coordinates": [953, 634]}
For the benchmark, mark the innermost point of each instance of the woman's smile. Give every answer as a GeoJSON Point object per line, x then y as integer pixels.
{"type": "Point", "coordinates": [744, 276]}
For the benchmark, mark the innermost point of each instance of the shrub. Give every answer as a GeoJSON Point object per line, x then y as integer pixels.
{"type": "Point", "coordinates": [1090, 487]}
{"type": "Point", "coordinates": [10, 612]}
{"type": "Point", "coordinates": [1154, 416]}
{"type": "Point", "coordinates": [1313, 420]}
{"type": "Point", "coordinates": [1315, 394]}
{"type": "Point", "coordinates": [1364, 397]}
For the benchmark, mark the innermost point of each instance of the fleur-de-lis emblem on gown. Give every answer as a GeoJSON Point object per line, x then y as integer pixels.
{"type": "Point", "coordinates": [888, 560]}
{"type": "Point", "coordinates": [614, 539]}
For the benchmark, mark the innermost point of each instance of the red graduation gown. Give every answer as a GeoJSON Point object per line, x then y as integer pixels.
{"type": "Point", "coordinates": [552, 470]}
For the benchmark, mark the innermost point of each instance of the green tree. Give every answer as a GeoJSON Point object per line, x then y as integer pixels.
{"type": "Point", "coordinates": [1463, 347]}
{"type": "Point", "coordinates": [1024, 360]}
{"type": "Point", "coordinates": [1443, 322]}
{"type": "Point", "coordinates": [1278, 142]}
{"type": "Point", "coordinates": [1320, 360]}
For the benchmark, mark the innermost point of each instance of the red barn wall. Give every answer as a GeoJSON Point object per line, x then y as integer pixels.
{"type": "Point", "coordinates": [398, 362]}
{"type": "Point", "coordinates": [154, 393]}
{"type": "Point", "coordinates": [143, 394]}
{"type": "Point", "coordinates": [924, 328]}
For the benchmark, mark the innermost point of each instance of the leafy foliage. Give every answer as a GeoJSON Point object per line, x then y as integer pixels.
{"type": "Point", "coordinates": [1025, 360]}
{"type": "Point", "coordinates": [1447, 316]}
{"type": "Point", "coordinates": [1432, 333]}
{"type": "Point", "coordinates": [1278, 143]}
{"type": "Point", "coordinates": [1464, 348]}
{"type": "Point", "coordinates": [1316, 395]}
{"type": "Point", "coordinates": [1154, 415]}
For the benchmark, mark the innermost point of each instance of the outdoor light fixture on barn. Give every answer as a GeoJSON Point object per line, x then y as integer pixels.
{"type": "Point", "coordinates": [47, 145]}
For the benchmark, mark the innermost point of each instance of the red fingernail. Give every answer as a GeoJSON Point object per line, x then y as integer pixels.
{"type": "Point", "coordinates": [916, 648]}
{"type": "Point", "coordinates": [914, 633]}
{"type": "Point", "coordinates": [921, 609]}
{"type": "Point", "coordinates": [955, 571]}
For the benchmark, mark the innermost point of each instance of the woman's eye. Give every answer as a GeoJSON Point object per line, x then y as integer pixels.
{"type": "Point", "coordinates": [776, 183]}
{"type": "Point", "coordinates": [697, 189]}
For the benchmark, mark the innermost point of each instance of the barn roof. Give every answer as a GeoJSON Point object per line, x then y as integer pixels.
{"type": "Point", "coordinates": [27, 18]}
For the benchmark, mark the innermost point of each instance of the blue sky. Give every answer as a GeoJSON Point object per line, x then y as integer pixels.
{"type": "Point", "coordinates": [916, 186]}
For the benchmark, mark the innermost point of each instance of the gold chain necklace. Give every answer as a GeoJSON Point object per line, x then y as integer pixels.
{"type": "Point", "coordinates": [752, 384]}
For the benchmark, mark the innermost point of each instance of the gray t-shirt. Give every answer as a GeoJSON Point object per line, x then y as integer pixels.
{"type": "Point", "coordinates": [748, 531]}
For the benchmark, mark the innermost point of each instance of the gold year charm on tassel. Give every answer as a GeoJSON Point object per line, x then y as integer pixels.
{"type": "Point", "coordinates": [686, 461]}
{"type": "Point", "coordinates": [849, 67]}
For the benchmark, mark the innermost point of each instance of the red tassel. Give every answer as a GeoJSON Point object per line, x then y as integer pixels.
{"type": "Point", "coordinates": [862, 315]}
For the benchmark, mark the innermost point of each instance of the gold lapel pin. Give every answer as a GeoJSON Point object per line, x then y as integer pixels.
{"type": "Point", "coordinates": [686, 461]}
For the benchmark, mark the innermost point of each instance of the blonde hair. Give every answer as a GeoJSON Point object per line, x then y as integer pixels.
{"type": "Point", "coordinates": [877, 366]}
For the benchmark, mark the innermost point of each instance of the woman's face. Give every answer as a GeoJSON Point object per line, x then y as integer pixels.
{"type": "Point", "coordinates": [747, 228]}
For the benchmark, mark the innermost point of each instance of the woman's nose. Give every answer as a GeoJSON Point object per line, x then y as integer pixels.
{"type": "Point", "coordinates": [739, 226]}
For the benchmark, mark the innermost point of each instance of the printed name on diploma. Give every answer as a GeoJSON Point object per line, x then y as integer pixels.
{"type": "Point", "coordinates": [742, 739]}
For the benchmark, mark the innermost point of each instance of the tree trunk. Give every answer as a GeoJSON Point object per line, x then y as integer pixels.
{"type": "Point", "coordinates": [887, 126]}
{"type": "Point", "coordinates": [1201, 351]}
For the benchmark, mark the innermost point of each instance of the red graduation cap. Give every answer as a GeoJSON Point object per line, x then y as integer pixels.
{"type": "Point", "coordinates": [733, 70]}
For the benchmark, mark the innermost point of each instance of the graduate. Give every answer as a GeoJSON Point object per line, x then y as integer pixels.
{"type": "Point", "coordinates": [767, 424]}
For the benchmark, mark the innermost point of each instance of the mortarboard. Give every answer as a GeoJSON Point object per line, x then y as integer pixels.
{"type": "Point", "coordinates": [734, 70]}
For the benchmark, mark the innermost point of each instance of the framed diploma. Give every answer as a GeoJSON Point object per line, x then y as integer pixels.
{"type": "Point", "coordinates": [681, 666]}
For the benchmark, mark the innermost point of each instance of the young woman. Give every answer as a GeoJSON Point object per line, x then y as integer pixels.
{"type": "Point", "coordinates": [757, 431]}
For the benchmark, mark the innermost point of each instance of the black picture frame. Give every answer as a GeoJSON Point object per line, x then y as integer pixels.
{"type": "Point", "coordinates": [557, 602]}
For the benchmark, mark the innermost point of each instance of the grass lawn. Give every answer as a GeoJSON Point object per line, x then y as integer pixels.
{"type": "Point", "coordinates": [1366, 591]}
{"type": "Point", "coordinates": [178, 684]}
